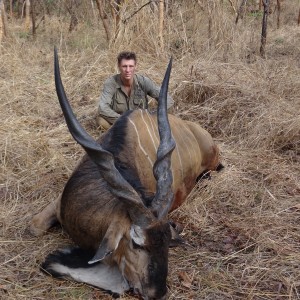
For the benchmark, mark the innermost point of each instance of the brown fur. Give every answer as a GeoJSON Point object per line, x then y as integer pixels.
{"type": "Point", "coordinates": [99, 221]}
{"type": "Point", "coordinates": [194, 148]}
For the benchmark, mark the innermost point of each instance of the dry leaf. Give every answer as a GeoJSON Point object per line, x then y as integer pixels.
{"type": "Point", "coordinates": [185, 279]}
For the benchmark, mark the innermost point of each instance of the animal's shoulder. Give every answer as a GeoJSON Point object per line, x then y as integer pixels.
{"type": "Point", "coordinates": [114, 140]}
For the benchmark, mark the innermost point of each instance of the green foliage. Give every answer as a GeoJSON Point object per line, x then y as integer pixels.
{"type": "Point", "coordinates": [279, 40]}
{"type": "Point", "coordinates": [24, 35]}
{"type": "Point", "coordinates": [256, 14]}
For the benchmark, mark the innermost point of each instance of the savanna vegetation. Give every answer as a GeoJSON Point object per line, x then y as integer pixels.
{"type": "Point", "coordinates": [243, 225]}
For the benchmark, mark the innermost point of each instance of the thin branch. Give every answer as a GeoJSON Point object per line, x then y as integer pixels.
{"type": "Point", "coordinates": [134, 13]}
{"type": "Point", "coordinates": [3, 21]}
{"type": "Point", "coordinates": [264, 28]}
{"type": "Point", "coordinates": [161, 24]}
{"type": "Point", "coordinates": [233, 7]}
{"type": "Point", "coordinates": [240, 10]}
{"type": "Point", "coordinates": [38, 23]}
{"type": "Point", "coordinates": [104, 21]}
{"type": "Point", "coordinates": [278, 13]}
{"type": "Point", "coordinates": [33, 16]}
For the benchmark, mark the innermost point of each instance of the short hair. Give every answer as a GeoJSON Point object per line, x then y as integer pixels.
{"type": "Point", "coordinates": [126, 55]}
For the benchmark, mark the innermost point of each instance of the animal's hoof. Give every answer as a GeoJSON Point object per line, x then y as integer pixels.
{"type": "Point", "coordinates": [34, 228]}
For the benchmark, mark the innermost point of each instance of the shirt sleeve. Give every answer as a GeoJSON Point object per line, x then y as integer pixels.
{"type": "Point", "coordinates": [105, 101]}
{"type": "Point", "coordinates": [153, 91]}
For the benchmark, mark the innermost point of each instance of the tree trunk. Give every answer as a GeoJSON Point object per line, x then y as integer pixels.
{"type": "Point", "coordinates": [299, 17]}
{"type": "Point", "coordinates": [71, 7]}
{"type": "Point", "coordinates": [233, 8]}
{"type": "Point", "coordinates": [264, 28]}
{"type": "Point", "coordinates": [116, 6]}
{"type": "Point", "coordinates": [27, 15]}
{"type": "Point", "coordinates": [33, 18]}
{"type": "Point", "coordinates": [161, 24]}
{"type": "Point", "coordinates": [240, 11]}
{"type": "Point", "coordinates": [11, 9]}
{"type": "Point", "coordinates": [93, 9]}
{"type": "Point", "coordinates": [167, 7]}
{"type": "Point", "coordinates": [3, 23]}
{"type": "Point", "coordinates": [278, 13]}
{"type": "Point", "coordinates": [103, 17]}
{"type": "Point", "coordinates": [210, 10]}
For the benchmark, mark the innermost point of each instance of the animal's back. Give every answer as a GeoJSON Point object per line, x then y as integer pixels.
{"type": "Point", "coordinates": [134, 142]}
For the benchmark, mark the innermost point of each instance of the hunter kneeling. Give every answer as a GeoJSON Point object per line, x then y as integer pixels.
{"type": "Point", "coordinates": [126, 91]}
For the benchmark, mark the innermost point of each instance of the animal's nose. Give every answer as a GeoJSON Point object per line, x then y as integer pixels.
{"type": "Point", "coordinates": [152, 295]}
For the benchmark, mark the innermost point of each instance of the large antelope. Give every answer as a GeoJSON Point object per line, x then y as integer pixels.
{"type": "Point", "coordinates": [116, 202]}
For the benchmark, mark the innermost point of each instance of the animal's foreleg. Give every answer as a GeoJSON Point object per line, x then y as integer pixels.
{"type": "Point", "coordinates": [44, 220]}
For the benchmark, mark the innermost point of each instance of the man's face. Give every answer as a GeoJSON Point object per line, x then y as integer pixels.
{"type": "Point", "coordinates": [127, 68]}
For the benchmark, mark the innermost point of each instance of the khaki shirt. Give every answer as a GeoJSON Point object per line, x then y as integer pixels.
{"type": "Point", "coordinates": [114, 100]}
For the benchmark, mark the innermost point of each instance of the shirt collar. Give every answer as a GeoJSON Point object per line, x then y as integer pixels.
{"type": "Point", "coordinates": [119, 82]}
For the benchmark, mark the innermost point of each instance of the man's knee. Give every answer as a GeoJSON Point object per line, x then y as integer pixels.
{"type": "Point", "coordinates": [102, 123]}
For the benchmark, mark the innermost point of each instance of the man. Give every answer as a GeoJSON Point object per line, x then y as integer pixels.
{"type": "Point", "coordinates": [125, 91]}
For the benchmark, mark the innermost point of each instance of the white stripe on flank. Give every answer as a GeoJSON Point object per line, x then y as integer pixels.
{"type": "Point", "coordinates": [139, 141]}
{"type": "Point", "coordinates": [149, 131]}
{"type": "Point", "coordinates": [156, 135]}
{"type": "Point", "coordinates": [154, 128]}
{"type": "Point", "coordinates": [180, 161]}
{"type": "Point", "coordinates": [194, 150]}
{"type": "Point", "coordinates": [178, 145]}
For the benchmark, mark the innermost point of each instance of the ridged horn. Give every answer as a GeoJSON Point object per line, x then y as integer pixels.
{"type": "Point", "coordinates": [162, 167]}
{"type": "Point", "coordinates": [139, 214]}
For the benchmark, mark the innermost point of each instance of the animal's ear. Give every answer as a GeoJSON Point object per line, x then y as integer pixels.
{"type": "Point", "coordinates": [138, 235]}
{"type": "Point", "coordinates": [176, 239]}
{"type": "Point", "coordinates": [109, 243]}
{"type": "Point", "coordinates": [106, 248]}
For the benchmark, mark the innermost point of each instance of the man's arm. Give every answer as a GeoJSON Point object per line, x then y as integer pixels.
{"type": "Point", "coordinates": [105, 102]}
{"type": "Point", "coordinates": [153, 91]}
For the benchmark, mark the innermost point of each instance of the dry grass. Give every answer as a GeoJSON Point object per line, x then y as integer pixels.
{"type": "Point", "coordinates": [243, 225]}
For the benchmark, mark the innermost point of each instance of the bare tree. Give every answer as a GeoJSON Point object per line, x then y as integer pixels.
{"type": "Point", "coordinates": [104, 19]}
{"type": "Point", "coordinates": [210, 21]}
{"type": "Point", "coordinates": [161, 24]}
{"type": "Point", "coordinates": [152, 5]}
{"type": "Point", "coordinates": [3, 23]}
{"type": "Point", "coordinates": [2, 31]}
{"type": "Point", "coordinates": [116, 6]}
{"type": "Point", "coordinates": [71, 8]}
{"type": "Point", "coordinates": [278, 13]}
{"type": "Point", "coordinates": [11, 8]}
{"type": "Point", "coordinates": [266, 4]}
{"type": "Point", "coordinates": [240, 11]}
{"type": "Point", "coordinates": [27, 15]}
{"type": "Point", "coordinates": [233, 7]}
{"type": "Point", "coordinates": [33, 18]}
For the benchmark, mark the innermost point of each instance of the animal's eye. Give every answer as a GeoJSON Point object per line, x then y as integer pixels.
{"type": "Point", "coordinates": [151, 268]}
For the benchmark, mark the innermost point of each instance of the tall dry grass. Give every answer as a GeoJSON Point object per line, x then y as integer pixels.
{"type": "Point", "coordinates": [243, 225]}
